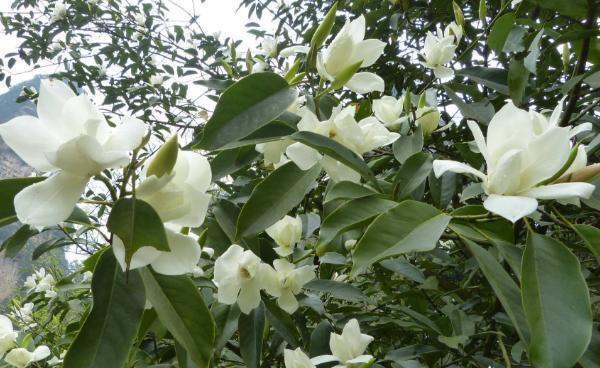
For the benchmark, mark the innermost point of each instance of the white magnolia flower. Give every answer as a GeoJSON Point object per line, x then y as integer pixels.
{"type": "Point", "coordinates": [57, 360]}
{"type": "Point", "coordinates": [523, 149]}
{"type": "Point", "coordinates": [182, 258]}
{"type": "Point", "coordinates": [71, 138]}
{"type": "Point", "coordinates": [455, 30]}
{"type": "Point", "coordinates": [25, 313]}
{"type": "Point", "coordinates": [428, 117]}
{"type": "Point", "coordinates": [286, 233]}
{"type": "Point", "coordinates": [439, 50]}
{"type": "Point", "coordinates": [239, 277]}
{"type": "Point", "coordinates": [348, 48]}
{"type": "Point", "coordinates": [259, 66]}
{"type": "Point", "coordinates": [360, 137]}
{"type": "Point", "coordinates": [284, 281]}
{"type": "Point", "coordinates": [296, 359]}
{"type": "Point", "coordinates": [8, 336]}
{"type": "Point", "coordinates": [140, 19]}
{"type": "Point", "coordinates": [30, 283]}
{"type": "Point", "coordinates": [197, 272]}
{"type": "Point", "coordinates": [21, 358]}
{"type": "Point", "coordinates": [180, 197]}
{"type": "Point", "coordinates": [87, 277]}
{"type": "Point", "coordinates": [59, 12]}
{"type": "Point", "coordinates": [294, 50]}
{"type": "Point", "coordinates": [268, 46]}
{"type": "Point", "coordinates": [347, 348]}
{"type": "Point", "coordinates": [388, 109]}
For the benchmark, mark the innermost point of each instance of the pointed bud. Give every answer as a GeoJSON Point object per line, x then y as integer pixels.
{"type": "Point", "coordinates": [422, 101]}
{"type": "Point", "coordinates": [565, 56]}
{"type": "Point", "coordinates": [321, 34]}
{"type": "Point", "coordinates": [164, 159]}
{"type": "Point", "coordinates": [482, 10]}
{"type": "Point", "coordinates": [458, 14]}
{"type": "Point", "coordinates": [345, 75]}
{"type": "Point", "coordinates": [407, 104]}
{"type": "Point", "coordinates": [587, 174]}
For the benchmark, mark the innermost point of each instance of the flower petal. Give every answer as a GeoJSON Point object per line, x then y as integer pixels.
{"type": "Point", "coordinates": [41, 352]}
{"type": "Point", "coordinates": [53, 95]}
{"type": "Point", "coordinates": [510, 128]}
{"type": "Point", "coordinates": [511, 208]}
{"type": "Point", "coordinates": [323, 359]}
{"type": "Point", "coordinates": [337, 171]}
{"type": "Point", "coordinates": [365, 82]}
{"type": "Point", "coordinates": [561, 191]}
{"type": "Point", "coordinates": [183, 257]}
{"type": "Point", "coordinates": [479, 139]}
{"type": "Point", "coordinates": [443, 73]}
{"type": "Point", "coordinates": [441, 166]}
{"type": "Point", "coordinates": [51, 201]}
{"type": "Point", "coordinates": [303, 156]}
{"type": "Point", "coordinates": [141, 258]}
{"type": "Point", "coordinates": [368, 51]}
{"type": "Point", "coordinates": [127, 136]}
{"type": "Point", "coordinates": [31, 140]}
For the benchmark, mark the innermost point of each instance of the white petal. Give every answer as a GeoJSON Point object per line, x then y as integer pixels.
{"type": "Point", "coordinates": [511, 208]}
{"type": "Point", "coordinates": [443, 73]}
{"type": "Point", "coordinates": [368, 51]}
{"type": "Point", "coordinates": [323, 359]}
{"type": "Point", "coordinates": [503, 178]}
{"type": "Point", "coordinates": [545, 155]}
{"type": "Point", "coordinates": [127, 136]}
{"type": "Point", "coordinates": [510, 128]}
{"type": "Point", "coordinates": [361, 359]}
{"type": "Point", "coordinates": [31, 140]}
{"type": "Point", "coordinates": [337, 55]}
{"type": "Point", "coordinates": [183, 257]}
{"type": "Point", "coordinates": [41, 352]}
{"type": "Point", "coordinates": [141, 258]}
{"type": "Point", "coordinates": [584, 127]}
{"type": "Point", "coordinates": [441, 166]}
{"type": "Point", "coordinates": [337, 171]}
{"type": "Point", "coordinates": [365, 82]}
{"type": "Point", "coordinates": [51, 201]}
{"type": "Point", "coordinates": [357, 29]}
{"type": "Point", "coordinates": [196, 211]}
{"type": "Point", "coordinates": [479, 139]}
{"type": "Point", "coordinates": [197, 168]}
{"type": "Point", "coordinates": [303, 156]}
{"type": "Point", "coordinates": [249, 297]}
{"type": "Point", "coordinates": [561, 191]}
{"type": "Point", "coordinates": [293, 50]}
{"type": "Point", "coordinates": [80, 116]}
{"type": "Point", "coordinates": [287, 301]}
{"type": "Point", "coordinates": [53, 95]}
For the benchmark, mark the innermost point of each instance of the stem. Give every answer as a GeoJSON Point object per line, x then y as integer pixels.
{"type": "Point", "coordinates": [109, 186]}
{"type": "Point", "coordinates": [580, 67]}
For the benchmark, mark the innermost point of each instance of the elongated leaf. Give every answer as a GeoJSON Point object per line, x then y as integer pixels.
{"type": "Point", "coordinates": [226, 321]}
{"type": "Point", "coordinates": [229, 161]}
{"type": "Point", "coordinates": [413, 173]}
{"type": "Point", "coordinates": [270, 132]}
{"type": "Point", "coordinates": [556, 303]}
{"type": "Point", "coordinates": [482, 111]}
{"type": "Point", "coordinates": [337, 151]}
{"type": "Point", "coordinates": [504, 286]}
{"type": "Point", "coordinates": [494, 78]}
{"type": "Point", "coordinates": [348, 190]}
{"type": "Point", "coordinates": [137, 224]}
{"type": "Point", "coordinates": [499, 32]}
{"type": "Point", "coordinates": [13, 245]}
{"type": "Point", "coordinates": [518, 76]}
{"type": "Point", "coordinates": [282, 322]}
{"type": "Point", "coordinates": [8, 190]}
{"type": "Point", "coordinates": [109, 330]}
{"type": "Point", "coordinates": [181, 309]}
{"type": "Point", "coordinates": [246, 106]}
{"type": "Point", "coordinates": [442, 189]}
{"type": "Point", "coordinates": [591, 237]}
{"type": "Point", "coordinates": [274, 197]}
{"type": "Point", "coordinates": [408, 145]}
{"type": "Point", "coordinates": [250, 327]}
{"type": "Point", "coordinates": [349, 215]}
{"type": "Point", "coordinates": [574, 8]}
{"type": "Point", "coordinates": [409, 227]}
{"type": "Point", "coordinates": [339, 290]}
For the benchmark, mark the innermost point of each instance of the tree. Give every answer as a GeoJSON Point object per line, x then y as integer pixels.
{"type": "Point", "coordinates": [380, 183]}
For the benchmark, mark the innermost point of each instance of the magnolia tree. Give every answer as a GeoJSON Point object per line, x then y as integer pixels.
{"type": "Point", "coordinates": [379, 184]}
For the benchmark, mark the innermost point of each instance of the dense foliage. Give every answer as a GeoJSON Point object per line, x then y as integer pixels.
{"type": "Point", "coordinates": [382, 183]}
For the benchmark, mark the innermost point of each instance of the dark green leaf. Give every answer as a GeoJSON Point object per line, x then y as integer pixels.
{"type": "Point", "coordinates": [8, 190]}
{"type": "Point", "coordinates": [250, 327]}
{"type": "Point", "coordinates": [229, 161]}
{"type": "Point", "coordinates": [348, 190]}
{"type": "Point", "coordinates": [494, 78]}
{"type": "Point", "coordinates": [282, 322]}
{"type": "Point", "coordinates": [13, 245]}
{"type": "Point", "coordinates": [500, 30]}
{"type": "Point", "coordinates": [407, 145]}
{"type": "Point", "coordinates": [573, 8]}
{"type": "Point", "coordinates": [412, 174]}
{"type": "Point", "coordinates": [518, 77]}
{"type": "Point", "coordinates": [591, 237]}
{"type": "Point", "coordinates": [337, 289]}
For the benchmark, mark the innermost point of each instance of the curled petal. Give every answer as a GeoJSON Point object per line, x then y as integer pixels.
{"type": "Point", "coordinates": [511, 208]}
{"type": "Point", "coordinates": [561, 191]}
{"type": "Point", "coordinates": [365, 82]}
{"type": "Point", "coordinates": [141, 258]}
{"type": "Point", "coordinates": [441, 166]}
{"type": "Point", "coordinates": [303, 156]}
{"type": "Point", "coordinates": [127, 136]}
{"type": "Point", "coordinates": [183, 257]}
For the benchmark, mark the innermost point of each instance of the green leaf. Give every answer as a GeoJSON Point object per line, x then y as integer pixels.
{"type": "Point", "coordinates": [412, 174]}
{"type": "Point", "coordinates": [556, 302]}
{"type": "Point", "coordinates": [109, 330]}
{"type": "Point", "coordinates": [499, 32]}
{"type": "Point", "coordinates": [282, 322]}
{"type": "Point", "coordinates": [339, 290]}
{"type": "Point", "coordinates": [351, 214]}
{"type": "Point", "coordinates": [518, 76]}
{"type": "Point", "coordinates": [442, 189]}
{"type": "Point", "coordinates": [534, 53]}
{"type": "Point", "coordinates": [408, 145]}
{"type": "Point", "coordinates": [337, 151]}
{"type": "Point", "coordinates": [505, 288]}
{"type": "Point", "coordinates": [591, 237]}
{"type": "Point", "coordinates": [8, 190]}
{"type": "Point", "coordinates": [347, 190]}
{"type": "Point", "coordinates": [13, 245]}
{"type": "Point", "coordinates": [319, 339]}
{"type": "Point", "coordinates": [494, 78]}
{"type": "Point", "coordinates": [246, 106]}
{"type": "Point", "coordinates": [268, 133]}
{"type": "Point", "coordinates": [137, 224]}
{"type": "Point", "coordinates": [226, 321]}
{"type": "Point", "coordinates": [229, 161]}
{"type": "Point", "coordinates": [573, 8]}
{"type": "Point", "coordinates": [411, 226]}
{"type": "Point", "coordinates": [482, 111]}
{"type": "Point", "coordinates": [181, 309]}
{"type": "Point", "coordinates": [250, 327]}
{"type": "Point", "coordinates": [274, 197]}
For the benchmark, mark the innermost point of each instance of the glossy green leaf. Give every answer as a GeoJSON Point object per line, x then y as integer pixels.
{"type": "Point", "coordinates": [499, 32]}
{"type": "Point", "coordinates": [409, 227]}
{"type": "Point", "coordinates": [534, 52]}
{"type": "Point", "coordinates": [494, 78]}
{"type": "Point", "coordinates": [337, 289]}
{"type": "Point", "coordinates": [109, 330]}
{"type": "Point", "coordinates": [250, 327]}
{"type": "Point", "coordinates": [482, 111]}
{"type": "Point", "coordinates": [282, 322]}
{"type": "Point", "coordinates": [573, 8]}
{"type": "Point", "coordinates": [274, 197]}
{"type": "Point", "coordinates": [229, 161]}
{"type": "Point", "coordinates": [246, 106]}
{"type": "Point", "coordinates": [337, 151]}
{"type": "Point", "coordinates": [442, 189]}
{"type": "Point", "coordinates": [412, 174]}
{"type": "Point", "coordinates": [408, 144]}
{"type": "Point", "coordinates": [8, 190]}
{"type": "Point", "coordinates": [351, 214]}
{"type": "Point", "coordinates": [13, 245]}
{"type": "Point", "coordinates": [348, 190]}
{"type": "Point", "coordinates": [181, 309]}
{"type": "Point", "coordinates": [556, 303]}
{"type": "Point", "coordinates": [591, 237]}
{"type": "Point", "coordinates": [226, 321]}
{"type": "Point", "coordinates": [504, 286]}
{"type": "Point", "coordinates": [518, 76]}
{"type": "Point", "coordinates": [137, 224]}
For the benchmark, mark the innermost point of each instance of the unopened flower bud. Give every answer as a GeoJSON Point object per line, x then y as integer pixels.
{"type": "Point", "coordinates": [164, 159]}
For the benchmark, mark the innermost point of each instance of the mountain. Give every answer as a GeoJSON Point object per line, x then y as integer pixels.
{"type": "Point", "coordinates": [13, 271]}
